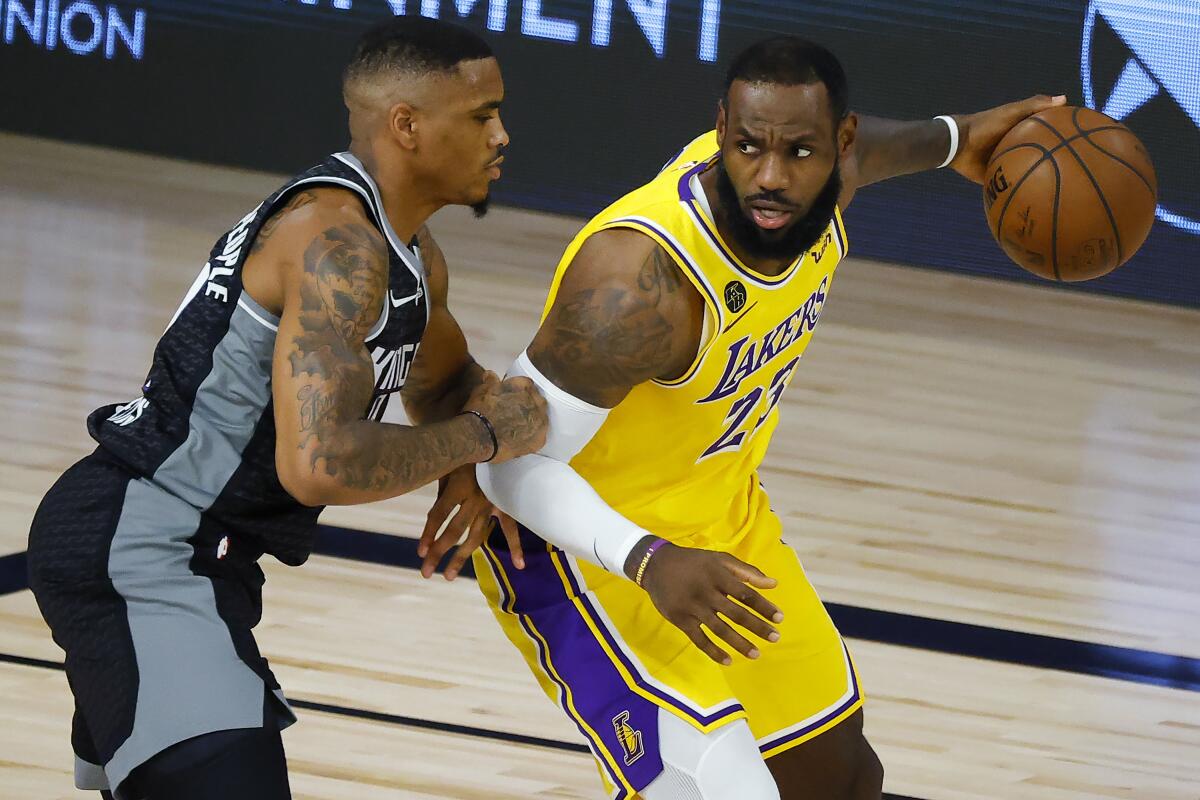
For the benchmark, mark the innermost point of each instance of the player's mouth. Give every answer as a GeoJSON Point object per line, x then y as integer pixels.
{"type": "Point", "coordinates": [771, 216]}
{"type": "Point", "coordinates": [493, 169]}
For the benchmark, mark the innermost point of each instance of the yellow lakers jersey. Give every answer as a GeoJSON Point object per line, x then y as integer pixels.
{"type": "Point", "coordinates": [679, 458]}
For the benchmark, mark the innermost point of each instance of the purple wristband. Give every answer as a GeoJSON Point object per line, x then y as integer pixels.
{"type": "Point", "coordinates": [641, 570]}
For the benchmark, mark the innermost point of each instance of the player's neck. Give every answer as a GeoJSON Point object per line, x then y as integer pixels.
{"type": "Point", "coordinates": [406, 204]}
{"type": "Point", "coordinates": [764, 266]}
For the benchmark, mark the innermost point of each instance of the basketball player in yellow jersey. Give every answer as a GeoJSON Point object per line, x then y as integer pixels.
{"type": "Point", "coordinates": [677, 318]}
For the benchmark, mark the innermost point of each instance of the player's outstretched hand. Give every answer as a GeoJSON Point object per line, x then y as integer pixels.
{"type": "Point", "coordinates": [517, 412]}
{"type": "Point", "coordinates": [694, 588]}
{"type": "Point", "coordinates": [459, 494]}
{"type": "Point", "coordinates": [980, 133]}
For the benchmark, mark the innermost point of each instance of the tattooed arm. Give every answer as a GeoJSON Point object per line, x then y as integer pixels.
{"type": "Point", "coordinates": [624, 315]}
{"type": "Point", "coordinates": [441, 379]}
{"type": "Point", "coordinates": [333, 265]}
{"type": "Point", "coordinates": [443, 375]}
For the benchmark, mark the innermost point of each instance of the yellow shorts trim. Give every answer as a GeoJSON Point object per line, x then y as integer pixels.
{"type": "Point", "coordinates": [794, 735]}
{"type": "Point", "coordinates": [605, 655]}
{"type": "Point", "coordinates": [679, 707]}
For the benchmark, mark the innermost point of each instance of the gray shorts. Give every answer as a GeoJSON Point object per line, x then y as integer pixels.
{"type": "Point", "coordinates": [153, 604]}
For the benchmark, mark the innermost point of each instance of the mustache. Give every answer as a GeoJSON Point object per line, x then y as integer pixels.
{"type": "Point", "coordinates": [804, 231]}
{"type": "Point", "coordinates": [775, 196]}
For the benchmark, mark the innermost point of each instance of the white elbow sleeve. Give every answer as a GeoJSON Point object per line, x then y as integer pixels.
{"type": "Point", "coordinates": [573, 422]}
{"type": "Point", "coordinates": [546, 495]}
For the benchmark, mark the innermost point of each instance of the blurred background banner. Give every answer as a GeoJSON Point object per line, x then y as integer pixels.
{"type": "Point", "coordinates": [602, 92]}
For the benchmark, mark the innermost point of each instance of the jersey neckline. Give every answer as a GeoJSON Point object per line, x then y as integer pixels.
{"type": "Point", "coordinates": [409, 258]}
{"type": "Point", "coordinates": [696, 202]}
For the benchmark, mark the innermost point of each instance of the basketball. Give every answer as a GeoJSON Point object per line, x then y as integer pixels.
{"type": "Point", "coordinates": [1070, 194]}
{"type": "Point", "coordinates": [226, 311]}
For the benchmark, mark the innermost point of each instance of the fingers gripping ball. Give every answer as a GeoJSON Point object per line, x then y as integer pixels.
{"type": "Point", "coordinates": [1070, 194]}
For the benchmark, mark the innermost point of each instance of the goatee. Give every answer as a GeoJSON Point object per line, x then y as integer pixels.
{"type": "Point", "coordinates": [795, 239]}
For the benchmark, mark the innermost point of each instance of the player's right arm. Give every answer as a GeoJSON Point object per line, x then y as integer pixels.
{"type": "Point", "coordinates": [623, 315]}
{"type": "Point", "coordinates": [887, 148]}
{"type": "Point", "coordinates": [332, 266]}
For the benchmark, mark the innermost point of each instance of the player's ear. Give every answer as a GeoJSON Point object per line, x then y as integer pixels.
{"type": "Point", "coordinates": [402, 123]}
{"type": "Point", "coordinates": [721, 121]}
{"type": "Point", "coordinates": [846, 133]}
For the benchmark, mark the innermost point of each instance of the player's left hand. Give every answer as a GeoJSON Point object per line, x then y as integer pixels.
{"type": "Point", "coordinates": [980, 133]}
{"type": "Point", "coordinates": [460, 491]}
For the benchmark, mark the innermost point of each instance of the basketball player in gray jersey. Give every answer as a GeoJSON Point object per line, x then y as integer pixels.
{"type": "Point", "coordinates": [271, 394]}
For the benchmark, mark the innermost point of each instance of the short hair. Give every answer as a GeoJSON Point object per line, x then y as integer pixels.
{"type": "Point", "coordinates": [412, 45]}
{"type": "Point", "coordinates": [791, 61]}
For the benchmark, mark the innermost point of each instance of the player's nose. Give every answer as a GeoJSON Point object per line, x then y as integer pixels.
{"type": "Point", "coordinates": [772, 177]}
{"type": "Point", "coordinates": [499, 137]}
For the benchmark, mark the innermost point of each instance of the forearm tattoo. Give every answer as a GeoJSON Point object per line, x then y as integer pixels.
{"type": "Point", "coordinates": [342, 291]}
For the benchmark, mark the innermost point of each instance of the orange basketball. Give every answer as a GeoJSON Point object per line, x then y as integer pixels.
{"type": "Point", "coordinates": [1070, 194]}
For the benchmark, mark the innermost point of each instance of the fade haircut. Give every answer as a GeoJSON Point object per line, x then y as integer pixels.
{"type": "Point", "coordinates": [407, 46]}
{"type": "Point", "coordinates": [792, 61]}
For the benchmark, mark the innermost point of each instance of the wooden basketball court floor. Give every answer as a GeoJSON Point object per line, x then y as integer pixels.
{"type": "Point", "coordinates": [995, 486]}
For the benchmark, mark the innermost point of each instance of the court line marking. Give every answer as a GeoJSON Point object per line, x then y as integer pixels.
{"type": "Point", "coordinates": [13, 574]}
{"type": "Point", "coordinates": [874, 625]}
{"type": "Point", "coordinates": [884, 627]}
{"type": "Point", "coordinates": [362, 713]}
{"type": "Point", "coordinates": [395, 719]}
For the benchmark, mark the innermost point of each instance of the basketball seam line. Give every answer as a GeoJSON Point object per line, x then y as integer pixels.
{"type": "Point", "coordinates": [1087, 138]}
{"type": "Point", "coordinates": [1112, 220]}
{"type": "Point", "coordinates": [1008, 200]}
{"type": "Point", "coordinates": [1045, 158]}
{"type": "Point", "coordinates": [1125, 164]}
{"type": "Point", "coordinates": [1049, 151]}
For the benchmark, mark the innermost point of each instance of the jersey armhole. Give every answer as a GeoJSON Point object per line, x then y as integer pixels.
{"type": "Point", "coordinates": [712, 316]}
{"type": "Point", "coordinates": [839, 231]}
{"type": "Point", "coordinates": [334, 182]}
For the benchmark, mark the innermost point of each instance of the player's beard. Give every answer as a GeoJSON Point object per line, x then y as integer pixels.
{"type": "Point", "coordinates": [796, 238]}
{"type": "Point", "coordinates": [481, 208]}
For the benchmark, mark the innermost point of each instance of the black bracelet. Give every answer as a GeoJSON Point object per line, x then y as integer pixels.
{"type": "Point", "coordinates": [487, 423]}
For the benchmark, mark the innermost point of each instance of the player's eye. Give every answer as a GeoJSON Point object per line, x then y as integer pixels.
{"type": "Point", "coordinates": [746, 148]}
{"type": "Point", "coordinates": [803, 152]}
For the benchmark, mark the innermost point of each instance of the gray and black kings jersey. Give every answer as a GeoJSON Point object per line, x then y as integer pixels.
{"type": "Point", "coordinates": [203, 427]}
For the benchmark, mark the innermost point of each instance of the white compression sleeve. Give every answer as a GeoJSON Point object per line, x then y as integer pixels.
{"type": "Point", "coordinates": [716, 765]}
{"type": "Point", "coordinates": [546, 495]}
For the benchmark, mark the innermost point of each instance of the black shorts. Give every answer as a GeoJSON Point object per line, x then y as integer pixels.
{"type": "Point", "coordinates": [154, 604]}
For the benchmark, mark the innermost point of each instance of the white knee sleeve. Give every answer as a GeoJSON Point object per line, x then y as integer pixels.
{"type": "Point", "coordinates": [722, 765]}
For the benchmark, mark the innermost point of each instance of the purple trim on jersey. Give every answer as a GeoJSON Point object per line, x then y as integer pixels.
{"type": "Point", "coordinates": [840, 234]}
{"type": "Point", "coordinates": [685, 183]}
{"type": "Point", "coordinates": [600, 695]}
{"type": "Point", "coordinates": [855, 696]}
{"type": "Point", "coordinates": [682, 255]}
{"type": "Point", "coordinates": [633, 669]}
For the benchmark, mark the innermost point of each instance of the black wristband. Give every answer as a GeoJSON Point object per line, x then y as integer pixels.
{"type": "Point", "coordinates": [487, 423]}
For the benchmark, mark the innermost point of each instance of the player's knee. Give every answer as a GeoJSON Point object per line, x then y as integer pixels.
{"type": "Point", "coordinates": [722, 764]}
{"type": "Point", "coordinates": [733, 767]}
